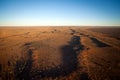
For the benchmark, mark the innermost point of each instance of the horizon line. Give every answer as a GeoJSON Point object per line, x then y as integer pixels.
{"type": "Point", "coordinates": [60, 26]}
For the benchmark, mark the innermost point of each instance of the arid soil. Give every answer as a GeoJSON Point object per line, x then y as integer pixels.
{"type": "Point", "coordinates": [59, 53]}
{"type": "Point", "coordinates": [110, 31]}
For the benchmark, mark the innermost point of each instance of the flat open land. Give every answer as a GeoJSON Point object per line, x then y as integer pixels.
{"type": "Point", "coordinates": [59, 53]}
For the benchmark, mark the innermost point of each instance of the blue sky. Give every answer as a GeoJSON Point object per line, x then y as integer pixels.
{"type": "Point", "coordinates": [59, 12]}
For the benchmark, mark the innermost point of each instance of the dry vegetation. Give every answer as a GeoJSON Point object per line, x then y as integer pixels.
{"type": "Point", "coordinates": [59, 53]}
{"type": "Point", "coordinates": [111, 32]}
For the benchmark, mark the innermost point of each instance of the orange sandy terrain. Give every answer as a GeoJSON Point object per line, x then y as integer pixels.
{"type": "Point", "coordinates": [59, 53]}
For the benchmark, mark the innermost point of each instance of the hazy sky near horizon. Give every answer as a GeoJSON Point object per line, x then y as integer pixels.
{"type": "Point", "coordinates": [59, 12]}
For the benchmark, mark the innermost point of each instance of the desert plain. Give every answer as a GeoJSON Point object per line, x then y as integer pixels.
{"type": "Point", "coordinates": [59, 53]}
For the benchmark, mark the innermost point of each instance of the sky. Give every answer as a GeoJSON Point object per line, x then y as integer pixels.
{"type": "Point", "coordinates": [59, 12]}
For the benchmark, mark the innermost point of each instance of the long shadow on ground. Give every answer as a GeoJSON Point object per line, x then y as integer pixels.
{"type": "Point", "coordinates": [23, 68]}
{"type": "Point", "coordinates": [69, 54]}
{"type": "Point", "coordinates": [69, 63]}
{"type": "Point", "coordinates": [99, 43]}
